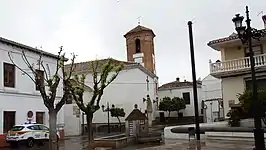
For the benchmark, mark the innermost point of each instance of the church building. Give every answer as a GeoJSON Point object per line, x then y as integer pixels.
{"type": "Point", "coordinates": [137, 80]}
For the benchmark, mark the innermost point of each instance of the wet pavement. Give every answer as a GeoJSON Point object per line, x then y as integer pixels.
{"type": "Point", "coordinates": [207, 145]}
{"type": "Point", "coordinates": [80, 143]}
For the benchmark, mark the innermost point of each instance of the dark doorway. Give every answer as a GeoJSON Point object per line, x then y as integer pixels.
{"type": "Point", "coordinates": [9, 120]}
{"type": "Point", "coordinates": [40, 117]}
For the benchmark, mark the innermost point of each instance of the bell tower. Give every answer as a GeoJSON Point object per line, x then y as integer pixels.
{"type": "Point", "coordinates": [140, 47]}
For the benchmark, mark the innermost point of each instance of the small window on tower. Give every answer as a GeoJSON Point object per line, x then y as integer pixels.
{"type": "Point", "coordinates": [137, 42]}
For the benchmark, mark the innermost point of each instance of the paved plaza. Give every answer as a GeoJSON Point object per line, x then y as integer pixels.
{"type": "Point", "coordinates": [207, 145]}
{"type": "Point", "coordinates": [80, 143]}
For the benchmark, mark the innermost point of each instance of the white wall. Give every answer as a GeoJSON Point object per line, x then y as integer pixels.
{"type": "Point", "coordinates": [232, 86]}
{"type": "Point", "coordinates": [211, 89]}
{"type": "Point", "coordinates": [23, 97]}
{"type": "Point", "coordinates": [72, 122]}
{"type": "Point", "coordinates": [189, 111]}
{"type": "Point", "coordinates": [128, 89]}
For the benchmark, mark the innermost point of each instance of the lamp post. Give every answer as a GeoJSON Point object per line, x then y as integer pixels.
{"type": "Point", "coordinates": [246, 34]}
{"type": "Point", "coordinates": [108, 114]}
{"type": "Point", "coordinates": [196, 107]}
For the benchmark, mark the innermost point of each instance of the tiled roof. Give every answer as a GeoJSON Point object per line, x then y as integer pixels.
{"type": "Point", "coordinates": [22, 46]}
{"type": "Point", "coordinates": [86, 67]}
{"type": "Point", "coordinates": [136, 114]}
{"type": "Point", "coordinates": [229, 38]}
{"type": "Point", "coordinates": [177, 85]}
{"type": "Point", "coordinates": [137, 29]}
{"type": "Point", "coordinates": [233, 36]}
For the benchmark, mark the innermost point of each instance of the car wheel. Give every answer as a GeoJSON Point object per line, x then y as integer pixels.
{"type": "Point", "coordinates": [30, 142]}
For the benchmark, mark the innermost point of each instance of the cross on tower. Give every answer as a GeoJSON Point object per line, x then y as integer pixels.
{"type": "Point", "coordinates": [139, 20]}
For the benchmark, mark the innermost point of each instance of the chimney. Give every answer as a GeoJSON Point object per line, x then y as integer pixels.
{"type": "Point", "coordinates": [136, 106]}
{"type": "Point", "coordinates": [264, 20]}
{"type": "Point", "coordinates": [177, 79]}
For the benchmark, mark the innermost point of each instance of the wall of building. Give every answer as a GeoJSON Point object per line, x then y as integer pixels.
{"type": "Point", "coordinates": [128, 89]}
{"type": "Point", "coordinates": [231, 87]}
{"type": "Point", "coordinates": [211, 89]}
{"type": "Point", "coordinates": [74, 120]}
{"type": "Point", "coordinates": [189, 111]}
{"type": "Point", "coordinates": [236, 52]}
{"type": "Point", "coordinates": [233, 53]}
{"type": "Point", "coordinates": [24, 96]}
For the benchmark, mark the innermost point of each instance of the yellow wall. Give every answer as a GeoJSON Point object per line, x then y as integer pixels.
{"type": "Point", "coordinates": [236, 52]}
{"type": "Point", "coordinates": [231, 87]}
{"type": "Point", "coordinates": [232, 53]}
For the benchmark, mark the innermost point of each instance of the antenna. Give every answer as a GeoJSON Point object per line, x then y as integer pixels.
{"type": "Point", "coordinates": [260, 13]}
{"type": "Point", "coordinates": [193, 20]}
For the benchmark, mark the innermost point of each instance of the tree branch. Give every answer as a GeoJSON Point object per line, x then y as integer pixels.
{"type": "Point", "coordinates": [23, 71]}
{"type": "Point", "coordinates": [45, 72]}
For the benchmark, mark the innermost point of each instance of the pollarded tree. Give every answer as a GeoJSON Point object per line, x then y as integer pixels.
{"type": "Point", "coordinates": [117, 112]}
{"type": "Point", "coordinates": [174, 104]}
{"type": "Point", "coordinates": [48, 84]}
{"type": "Point", "coordinates": [101, 79]}
{"type": "Point", "coordinates": [166, 105]}
{"type": "Point", "coordinates": [179, 103]}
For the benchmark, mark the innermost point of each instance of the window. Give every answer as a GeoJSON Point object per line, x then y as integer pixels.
{"type": "Point", "coordinates": [186, 97]}
{"type": "Point", "coordinates": [9, 75]}
{"type": "Point", "coordinates": [39, 79]}
{"type": "Point", "coordinates": [17, 128]}
{"type": "Point", "coordinates": [69, 99]}
{"type": "Point", "coordinates": [34, 127]}
{"type": "Point", "coordinates": [261, 83]}
{"type": "Point", "coordinates": [137, 43]}
{"type": "Point", "coordinates": [39, 117]}
{"type": "Point", "coordinates": [256, 49]}
{"type": "Point", "coordinates": [42, 127]}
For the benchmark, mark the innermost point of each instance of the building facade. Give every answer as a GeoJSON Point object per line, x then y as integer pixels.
{"type": "Point", "coordinates": [136, 80]}
{"type": "Point", "coordinates": [19, 96]}
{"type": "Point", "coordinates": [212, 98]}
{"type": "Point", "coordinates": [234, 67]}
{"type": "Point", "coordinates": [182, 89]}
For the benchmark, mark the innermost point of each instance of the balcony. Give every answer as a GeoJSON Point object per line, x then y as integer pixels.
{"type": "Point", "coordinates": [237, 66]}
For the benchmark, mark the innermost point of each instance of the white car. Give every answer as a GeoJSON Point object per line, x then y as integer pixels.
{"type": "Point", "coordinates": [28, 134]}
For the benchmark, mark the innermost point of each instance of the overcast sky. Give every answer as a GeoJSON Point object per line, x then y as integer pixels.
{"type": "Point", "coordinates": [95, 28]}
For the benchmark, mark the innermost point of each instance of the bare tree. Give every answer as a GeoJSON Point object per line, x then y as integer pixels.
{"type": "Point", "coordinates": [100, 81]}
{"type": "Point", "coordinates": [48, 86]}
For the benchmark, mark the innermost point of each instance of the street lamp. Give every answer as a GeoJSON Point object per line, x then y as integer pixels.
{"type": "Point", "coordinates": [195, 84]}
{"type": "Point", "coordinates": [246, 34]}
{"type": "Point", "coordinates": [108, 114]}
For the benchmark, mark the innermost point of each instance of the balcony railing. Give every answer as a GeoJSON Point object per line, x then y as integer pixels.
{"type": "Point", "coordinates": [237, 64]}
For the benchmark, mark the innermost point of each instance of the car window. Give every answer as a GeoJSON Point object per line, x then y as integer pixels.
{"type": "Point", "coordinates": [17, 128]}
{"type": "Point", "coordinates": [42, 127]}
{"type": "Point", "coordinates": [33, 127]}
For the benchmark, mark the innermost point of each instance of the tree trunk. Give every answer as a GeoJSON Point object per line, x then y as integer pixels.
{"type": "Point", "coordinates": [53, 145]}
{"type": "Point", "coordinates": [120, 126]}
{"type": "Point", "coordinates": [90, 131]}
{"type": "Point", "coordinates": [168, 116]}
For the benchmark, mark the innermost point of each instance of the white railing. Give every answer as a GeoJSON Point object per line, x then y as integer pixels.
{"type": "Point", "coordinates": [237, 64]}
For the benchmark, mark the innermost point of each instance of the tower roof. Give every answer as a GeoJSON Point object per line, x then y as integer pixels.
{"type": "Point", "coordinates": [138, 29]}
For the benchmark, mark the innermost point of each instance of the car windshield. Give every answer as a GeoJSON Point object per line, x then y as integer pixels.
{"type": "Point", "coordinates": [17, 128]}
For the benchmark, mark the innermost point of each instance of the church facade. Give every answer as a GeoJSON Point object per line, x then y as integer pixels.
{"type": "Point", "coordinates": [137, 80]}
